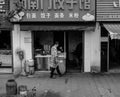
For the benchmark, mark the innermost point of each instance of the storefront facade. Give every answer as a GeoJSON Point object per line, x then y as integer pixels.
{"type": "Point", "coordinates": [6, 65]}
{"type": "Point", "coordinates": [71, 23]}
{"type": "Point", "coordinates": [108, 15]}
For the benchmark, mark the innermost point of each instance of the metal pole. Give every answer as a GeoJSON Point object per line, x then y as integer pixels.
{"type": "Point", "coordinates": [108, 47]}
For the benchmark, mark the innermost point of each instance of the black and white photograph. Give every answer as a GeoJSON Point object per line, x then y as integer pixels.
{"type": "Point", "coordinates": [59, 48]}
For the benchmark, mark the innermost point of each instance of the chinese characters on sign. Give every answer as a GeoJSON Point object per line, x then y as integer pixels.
{"type": "Point", "coordinates": [116, 4]}
{"type": "Point", "coordinates": [57, 10]}
{"type": "Point", "coordinates": [48, 15]}
{"type": "Point", "coordinates": [56, 4]}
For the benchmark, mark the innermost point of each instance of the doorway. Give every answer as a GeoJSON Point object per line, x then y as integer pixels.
{"type": "Point", "coordinates": [114, 55]}
{"type": "Point", "coordinates": [43, 40]}
{"type": "Point", "coordinates": [71, 43]}
{"type": "Point", "coordinates": [74, 51]}
{"type": "Point", "coordinates": [104, 50]}
{"type": "Point", "coordinates": [110, 53]}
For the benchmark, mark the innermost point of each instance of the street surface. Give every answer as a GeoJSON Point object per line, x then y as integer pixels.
{"type": "Point", "coordinates": [70, 85]}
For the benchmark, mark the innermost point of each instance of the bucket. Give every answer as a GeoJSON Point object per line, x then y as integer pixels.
{"type": "Point", "coordinates": [11, 87]}
{"type": "Point", "coordinates": [31, 70]}
{"type": "Point", "coordinates": [61, 64]}
{"type": "Point", "coordinates": [29, 66]}
{"type": "Point", "coordinates": [22, 90]}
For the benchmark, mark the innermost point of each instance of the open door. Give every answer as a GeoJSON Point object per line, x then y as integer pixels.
{"type": "Point", "coordinates": [104, 50]}
{"type": "Point", "coordinates": [75, 51]}
{"type": "Point", "coordinates": [114, 55]}
{"type": "Point", "coordinates": [43, 40]}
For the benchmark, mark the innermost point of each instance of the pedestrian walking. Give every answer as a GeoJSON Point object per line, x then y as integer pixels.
{"type": "Point", "coordinates": [54, 60]}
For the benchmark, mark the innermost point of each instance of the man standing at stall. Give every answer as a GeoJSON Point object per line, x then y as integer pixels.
{"type": "Point", "coordinates": [54, 60]}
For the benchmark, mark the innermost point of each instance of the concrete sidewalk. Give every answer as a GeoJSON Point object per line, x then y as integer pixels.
{"type": "Point", "coordinates": [71, 85]}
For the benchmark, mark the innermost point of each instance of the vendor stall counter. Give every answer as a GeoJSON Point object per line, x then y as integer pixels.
{"type": "Point", "coordinates": [43, 62]}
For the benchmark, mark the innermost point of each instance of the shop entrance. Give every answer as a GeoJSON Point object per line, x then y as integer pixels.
{"type": "Point", "coordinates": [71, 43]}
{"type": "Point", "coordinates": [114, 55]}
{"type": "Point", "coordinates": [43, 40]}
{"type": "Point", "coordinates": [104, 50]}
{"type": "Point", "coordinates": [74, 51]}
{"type": "Point", "coordinates": [5, 51]}
{"type": "Point", "coordinates": [110, 50]}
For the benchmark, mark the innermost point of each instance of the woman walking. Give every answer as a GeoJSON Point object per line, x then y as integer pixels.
{"type": "Point", "coordinates": [54, 60]}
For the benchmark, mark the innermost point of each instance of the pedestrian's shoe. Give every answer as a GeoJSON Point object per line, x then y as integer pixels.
{"type": "Point", "coordinates": [52, 77]}
{"type": "Point", "coordinates": [60, 75]}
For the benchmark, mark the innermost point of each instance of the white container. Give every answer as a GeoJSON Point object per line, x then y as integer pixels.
{"type": "Point", "coordinates": [29, 66]}
{"type": "Point", "coordinates": [30, 62]}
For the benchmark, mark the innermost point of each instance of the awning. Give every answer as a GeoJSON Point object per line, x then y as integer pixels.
{"type": "Point", "coordinates": [55, 27]}
{"type": "Point", "coordinates": [114, 30]}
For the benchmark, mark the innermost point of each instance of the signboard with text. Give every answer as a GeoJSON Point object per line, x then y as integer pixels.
{"type": "Point", "coordinates": [108, 10]}
{"type": "Point", "coordinates": [57, 10]}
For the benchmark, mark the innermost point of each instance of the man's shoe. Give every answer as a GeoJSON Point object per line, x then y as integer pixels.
{"type": "Point", "coordinates": [60, 75]}
{"type": "Point", "coordinates": [53, 77]}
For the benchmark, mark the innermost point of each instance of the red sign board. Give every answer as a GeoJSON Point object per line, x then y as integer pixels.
{"type": "Point", "coordinates": [108, 10]}
{"type": "Point", "coordinates": [57, 10]}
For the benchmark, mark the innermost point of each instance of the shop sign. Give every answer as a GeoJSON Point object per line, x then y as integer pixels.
{"type": "Point", "coordinates": [57, 10]}
{"type": "Point", "coordinates": [3, 6]}
{"type": "Point", "coordinates": [108, 10]}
